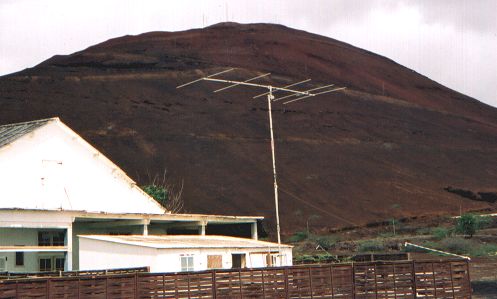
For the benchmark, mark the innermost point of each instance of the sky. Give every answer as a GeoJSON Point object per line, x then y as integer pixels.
{"type": "Point", "coordinates": [453, 42]}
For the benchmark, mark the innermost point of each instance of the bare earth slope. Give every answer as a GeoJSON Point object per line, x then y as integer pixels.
{"type": "Point", "coordinates": [386, 147]}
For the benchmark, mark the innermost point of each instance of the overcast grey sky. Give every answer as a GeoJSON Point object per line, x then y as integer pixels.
{"type": "Point", "coordinates": [453, 42]}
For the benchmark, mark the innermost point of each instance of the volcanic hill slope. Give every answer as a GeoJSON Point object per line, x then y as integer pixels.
{"type": "Point", "coordinates": [390, 145]}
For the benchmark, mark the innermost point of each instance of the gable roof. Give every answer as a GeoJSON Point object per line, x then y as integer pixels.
{"type": "Point", "coordinates": [89, 181]}
{"type": "Point", "coordinates": [11, 132]}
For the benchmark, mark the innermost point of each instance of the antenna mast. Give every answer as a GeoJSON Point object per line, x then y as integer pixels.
{"type": "Point", "coordinates": [299, 95]}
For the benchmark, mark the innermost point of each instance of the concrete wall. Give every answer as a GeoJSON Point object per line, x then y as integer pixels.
{"type": "Point", "coordinates": [97, 254]}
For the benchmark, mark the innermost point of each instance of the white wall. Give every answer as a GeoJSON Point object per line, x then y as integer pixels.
{"type": "Point", "coordinates": [79, 228]}
{"type": "Point", "coordinates": [53, 168]}
{"type": "Point", "coordinates": [97, 254]}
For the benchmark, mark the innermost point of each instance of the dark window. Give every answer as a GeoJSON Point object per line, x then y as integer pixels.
{"type": "Point", "coordinates": [51, 238]}
{"type": "Point", "coordinates": [59, 263]}
{"type": "Point", "coordinates": [58, 238]}
{"type": "Point", "coordinates": [44, 239]}
{"type": "Point", "coordinates": [238, 260]}
{"type": "Point", "coordinates": [45, 264]}
{"type": "Point", "coordinates": [19, 258]}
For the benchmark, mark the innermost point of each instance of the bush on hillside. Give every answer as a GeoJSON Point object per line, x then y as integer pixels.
{"type": "Point", "coordinates": [371, 246]}
{"type": "Point", "coordinates": [468, 224]}
{"type": "Point", "coordinates": [326, 242]}
{"type": "Point", "coordinates": [456, 245]}
{"type": "Point", "coordinates": [440, 233]}
{"type": "Point", "coordinates": [298, 237]}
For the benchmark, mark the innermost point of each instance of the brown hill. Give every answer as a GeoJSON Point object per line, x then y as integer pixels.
{"type": "Point", "coordinates": [393, 144]}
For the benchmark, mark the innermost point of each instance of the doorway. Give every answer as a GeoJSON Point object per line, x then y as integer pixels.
{"type": "Point", "coordinates": [238, 260]}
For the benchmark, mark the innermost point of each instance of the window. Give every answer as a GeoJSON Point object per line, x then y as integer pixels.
{"type": "Point", "coordinates": [238, 260]}
{"type": "Point", "coordinates": [51, 238]}
{"type": "Point", "coordinates": [45, 264]}
{"type": "Point", "coordinates": [52, 263]}
{"type": "Point", "coordinates": [214, 261]}
{"type": "Point", "coordinates": [59, 263]}
{"type": "Point", "coordinates": [44, 239]}
{"type": "Point", "coordinates": [19, 258]}
{"type": "Point", "coordinates": [58, 238]}
{"type": "Point", "coordinates": [186, 263]}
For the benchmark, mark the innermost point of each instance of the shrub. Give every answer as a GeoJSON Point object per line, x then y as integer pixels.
{"type": "Point", "coordinates": [440, 233]}
{"type": "Point", "coordinates": [484, 250]}
{"type": "Point", "coordinates": [466, 224]}
{"type": "Point", "coordinates": [456, 245]}
{"type": "Point", "coordinates": [326, 242]}
{"type": "Point", "coordinates": [157, 192]}
{"type": "Point", "coordinates": [305, 259]}
{"type": "Point", "coordinates": [423, 231]}
{"type": "Point", "coordinates": [166, 194]}
{"type": "Point", "coordinates": [371, 245]}
{"type": "Point", "coordinates": [298, 236]}
{"type": "Point", "coordinates": [484, 222]}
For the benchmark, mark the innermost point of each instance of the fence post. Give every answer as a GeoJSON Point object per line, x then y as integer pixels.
{"type": "Point", "coordinates": [310, 281]}
{"type": "Point", "coordinates": [434, 280]}
{"type": "Point", "coordinates": [263, 286]}
{"type": "Point", "coordinates": [287, 285]}
{"type": "Point", "coordinates": [470, 289]}
{"type": "Point", "coordinates": [452, 280]}
{"type": "Point", "coordinates": [353, 280]}
{"type": "Point", "coordinates": [375, 280]}
{"type": "Point", "coordinates": [414, 286]}
{"type": "Point", "coordinates": [176, 295]}
{"type": "Point", "coordinates": [240, 282]}
{"type": "Point", "coordinates": [394, 283]}
{"type": "Point", "coordinates": [163, 285]}
{"type": "Point", "coordinates": [213, 273]}
{"type": "Point", "coordinates": [188, 280]}
{"type": "Point", "coordinates": [136, 285]}
{"type": "Point", "coordinates": [106, 286]}
{"type": "Point", "coordinates": [48, 287]}
{"type": "Point", "coordinates": [331, 280]}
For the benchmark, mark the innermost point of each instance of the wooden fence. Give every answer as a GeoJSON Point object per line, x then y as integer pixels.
{"type": "Point", "coordinates": [423, 279]}
{"type": "Point", "coordinates": [14, 275]}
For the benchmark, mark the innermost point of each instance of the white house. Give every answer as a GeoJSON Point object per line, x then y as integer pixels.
{"type": "Point", "coordinates": [179, 253]}
{"type": "Point", "coordinates": [55, 186]}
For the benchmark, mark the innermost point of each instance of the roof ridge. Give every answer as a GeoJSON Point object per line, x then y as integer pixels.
{"type": "Point", "coordinates": [56, 118]}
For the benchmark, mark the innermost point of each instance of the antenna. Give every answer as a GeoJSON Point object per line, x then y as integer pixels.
{"type": "Point", "coordinates": [299, 94]}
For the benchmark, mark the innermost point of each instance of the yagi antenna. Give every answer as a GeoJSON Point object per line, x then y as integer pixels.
{"type": "Point", "coordinates": [299, 94]}
{"type": "Point", "coordinates": [294, 84]}
{"type": "Point", "coordinates": [296, 95]}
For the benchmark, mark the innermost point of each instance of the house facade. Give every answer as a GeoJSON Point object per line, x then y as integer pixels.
{"type": "Point", "coordinates": [56, 186]}
{"type": "Point", "coordinates": [179, 253]}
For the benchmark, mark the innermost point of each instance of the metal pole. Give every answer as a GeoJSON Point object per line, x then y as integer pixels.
{"type": "Point", "coordinates": [270, 97]}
